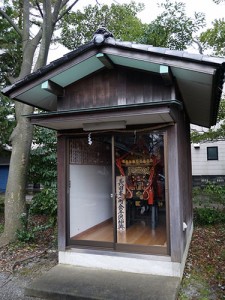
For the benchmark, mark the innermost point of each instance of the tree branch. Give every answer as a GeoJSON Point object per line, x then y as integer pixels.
{"type": "Point", "coordinates": [67, 10]}
{"type": "Point", "coordinates": [10, 21]}
{"type": "Point", "coordinates": [36, 40]}
{"type": "Point", "coordinates": [200, 48]}
{"type": "Point", "coordinates": [64, 2]}
{"type": "Point", "coordinates": [47, 31]}
{"type": "Point", "coordinates": [57, 7]}
{"type": "Point", "coordinates": [26, 22]}
{"type": "Point", "coordinates": [39, 8]}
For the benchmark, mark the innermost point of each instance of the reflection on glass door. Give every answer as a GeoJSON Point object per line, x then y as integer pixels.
{"type": "Point", "coordinates": [131, 167]}
{"type": "Point", "coordinates": [91, 207]}
{"type": "Point", "coordinates": [140, 189]}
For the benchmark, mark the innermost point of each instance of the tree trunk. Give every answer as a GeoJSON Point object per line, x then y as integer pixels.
{"type": "Point", "coordinates": [15, 204]}
{"type": "Point", "coordinates": [21, 139]}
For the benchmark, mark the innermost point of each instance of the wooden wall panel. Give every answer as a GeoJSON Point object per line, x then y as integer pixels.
{"type": "Point", "coordinates": [174, 194]}
{"type": "Point", "coordinates": [180, 184]}
{"type": "Point", "coordinates": [62, 191]}
{"type": "Point", "coordinates": [185, 172]}
{"type": "Point", "coordinates": [188, 204]}
{"type": "Point", "coordinates": [115, 87]}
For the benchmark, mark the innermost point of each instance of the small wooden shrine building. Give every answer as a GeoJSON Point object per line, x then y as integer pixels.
{"type": "Point", "coordinates": [122, 112]}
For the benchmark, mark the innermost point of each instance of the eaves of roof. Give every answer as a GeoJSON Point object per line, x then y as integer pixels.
{"type": "Point", "coordinates": [155, 113]}
{"type": "Point", "coordinates": [184, 55]}
{"type": "Point", "coordinates": [45, 69]}
{"type": "Point", "coordinates": [189, 69]}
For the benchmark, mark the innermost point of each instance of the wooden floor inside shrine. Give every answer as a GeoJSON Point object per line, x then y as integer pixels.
{"type": "Point", "coordinates": [139, 233]}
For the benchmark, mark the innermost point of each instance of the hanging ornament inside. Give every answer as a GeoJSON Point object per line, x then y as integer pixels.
{"type": "Point", "coordinates": [89, 139]}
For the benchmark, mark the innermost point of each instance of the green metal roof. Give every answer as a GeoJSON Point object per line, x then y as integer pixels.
{"type": "Point", "coordinates": [198, 77]}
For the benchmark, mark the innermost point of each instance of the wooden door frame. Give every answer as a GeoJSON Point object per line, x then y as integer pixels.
{"type": "Point", "coordinates": [114, 246]}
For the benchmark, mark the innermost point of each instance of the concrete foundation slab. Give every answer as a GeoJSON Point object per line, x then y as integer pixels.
{"type": "Point", "coordinates": [67, 282]}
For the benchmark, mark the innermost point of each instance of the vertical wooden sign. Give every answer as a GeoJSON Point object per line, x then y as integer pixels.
{"type": "Point", "coordinates": [121, 202]}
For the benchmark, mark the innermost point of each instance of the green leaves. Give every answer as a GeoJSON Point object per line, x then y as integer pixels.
{"type": "Point", "coordinates": [173, 28]}
{"type": "Point", "coordinates": [214, 38]}
{"type": "Point", "coordinates": [45, 202]}
{"type": "Point", "coordinates": [7, 120]}
{"type": "Point", "coordinates": [209, 204]}
{"type": "Point", "coordinates": [11, 44]}
{"type": "Point", "coordinates": [43, 163]}
{"type": "Point", "coordinates": [78, 27]}
{"type": "Point", "coordinates": [214, 133]}
{"type": "Point", "coordinates": [43, 170]}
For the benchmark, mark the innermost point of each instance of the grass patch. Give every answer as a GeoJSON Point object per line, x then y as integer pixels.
{"type": "Point", "coordinates": [195, 286]}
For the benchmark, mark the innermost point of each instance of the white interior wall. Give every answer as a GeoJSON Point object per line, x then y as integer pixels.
{"type": "Point", "coordinates": [90, 196]}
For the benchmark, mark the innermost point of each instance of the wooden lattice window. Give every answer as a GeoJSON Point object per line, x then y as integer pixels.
{"type": "Point", "coordinates": [81, 153]}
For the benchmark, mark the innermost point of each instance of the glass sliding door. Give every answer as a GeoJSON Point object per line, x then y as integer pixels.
{"type": "Point", "coordinates": [117, 184]}
{"type": "Point", "coordinates": [91, 205]}
{"type": "Point", "coordinates": [140, 190]}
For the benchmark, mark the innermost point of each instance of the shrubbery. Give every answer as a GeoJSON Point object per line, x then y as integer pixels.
{"type": "Point", "coordinates": [209, 204]}
{"type": "Point", "coordinates": [42, 171]}
{"type": "Point", "coordinates": [45, 202]}
{"type": "Point", "coordinates": [28, 231]}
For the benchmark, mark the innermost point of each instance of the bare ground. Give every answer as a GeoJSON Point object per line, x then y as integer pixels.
{"type": "Point", "coordinates": [20, 263]}
{"type": "Point", "coordinates": [204, 275]}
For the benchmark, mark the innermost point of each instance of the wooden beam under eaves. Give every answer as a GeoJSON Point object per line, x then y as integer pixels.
{"type": "Point", "coordinates": [166, 75]}
{"type": "Point", "coordinates": [105, 60]}
{"type": "Point", "coordinates": [53, 88]}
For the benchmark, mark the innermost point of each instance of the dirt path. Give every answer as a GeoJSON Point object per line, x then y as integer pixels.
{"type": "Point", "coordinates": [12, 284]}
{"type": "Point", "coordinates": [12, 287]}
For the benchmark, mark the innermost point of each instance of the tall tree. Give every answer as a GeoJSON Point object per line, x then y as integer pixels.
{"type": "Point", "coordinates": [120, 19]}
{"type": "Point", "coordinates": [214, 38]}
{"type": "Point", "coordinates": [34, 23]}
{"type": "Point", "coordinates": [173, 28]}
{"type": "Point", "coordinates": [10, 60]}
